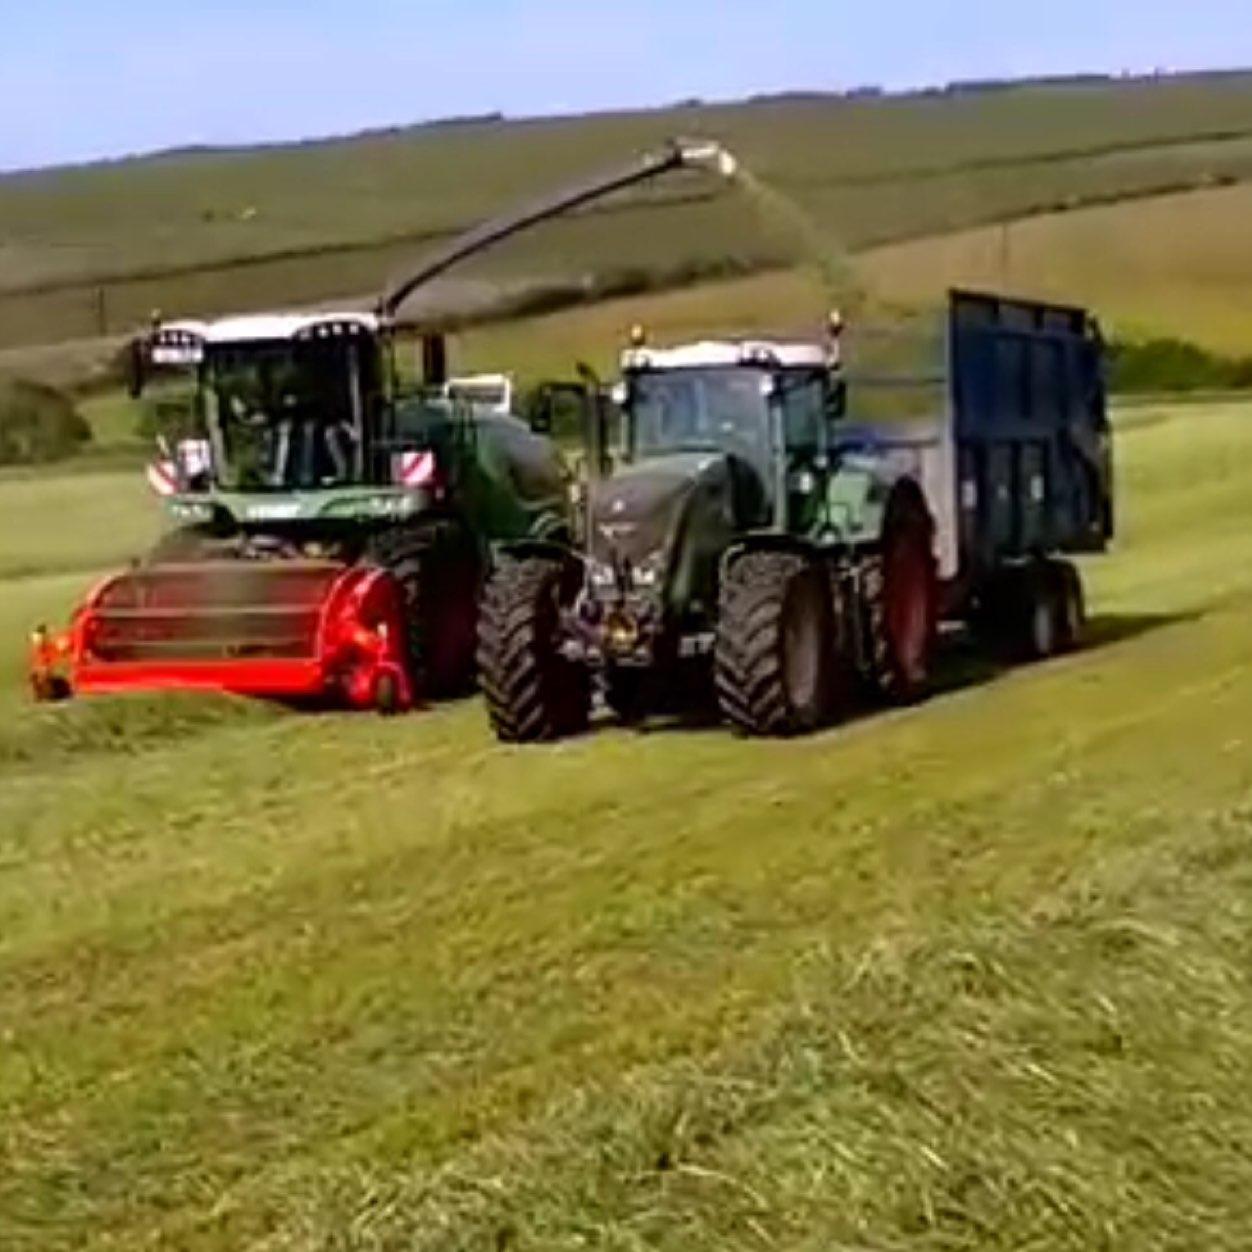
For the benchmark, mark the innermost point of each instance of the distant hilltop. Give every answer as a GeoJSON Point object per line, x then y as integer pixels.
{"type": "Point", "coordinates": [862, 92]}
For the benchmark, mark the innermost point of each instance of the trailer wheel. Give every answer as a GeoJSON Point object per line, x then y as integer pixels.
{"type": "Point", "coordinates": [533, 693]}
{"type": "Point", "coordinates": [904, 611]}
{"type": "Point", "coordinates": [1024, 612]}
{"type": "Point", "coordinates": [773, 663]}
{"type": "Point", "coordinates": [1071, 606]}
{"type": "Point", "coordinates": [436, 565]}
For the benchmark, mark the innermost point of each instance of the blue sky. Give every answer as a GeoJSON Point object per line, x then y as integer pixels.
{"type": "Point", "coordinates": [87, 78]}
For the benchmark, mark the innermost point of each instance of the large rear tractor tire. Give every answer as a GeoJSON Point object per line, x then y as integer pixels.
{"type": "Point", "coordinates": [904, 605]}
{"type": "Point", "coordinates": [533, 693]}
{"type": "Point", "coordinates": [437, 567]}
{"type": "Point", "coordinates": [773, 657]}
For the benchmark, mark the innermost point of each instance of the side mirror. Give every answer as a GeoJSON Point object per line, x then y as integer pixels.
{"type": "Point", "coordinates": [837, 405]}
{"type": "Point", "coordinates": [539, 418]}
{"type": "Point", "coordinates": [434, 360]}
{"type": "Point", "coordinates": [134, 367]}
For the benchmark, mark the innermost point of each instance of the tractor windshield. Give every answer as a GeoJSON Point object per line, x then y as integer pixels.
{"type": "Point", "coordinates": [696, 410]}
{"type": "Point", "coordinates": [288, 416]}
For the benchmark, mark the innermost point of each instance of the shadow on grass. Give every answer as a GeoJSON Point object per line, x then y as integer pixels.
{"type": "Point", "coordinates": [963, 663]}
{"type": "Point", "coordinates": [967, 663]}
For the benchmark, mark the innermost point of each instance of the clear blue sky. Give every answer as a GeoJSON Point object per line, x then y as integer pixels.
{"type": "Point", "coordinates": [87, 78]}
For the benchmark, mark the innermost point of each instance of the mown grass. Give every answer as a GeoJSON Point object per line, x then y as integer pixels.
{"type": "Point", "coordinates": [52, 522]}
{"type": "Point", "coordinates": [217, 231]}
{"type": "Point", "coordinates": [967, 975]}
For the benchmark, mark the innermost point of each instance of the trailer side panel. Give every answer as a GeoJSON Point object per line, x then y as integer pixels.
{"type": "Point", "coordinates": [1030, 416]}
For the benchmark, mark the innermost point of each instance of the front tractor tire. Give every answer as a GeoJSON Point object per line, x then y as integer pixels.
{"type": "Point", "coordinates": [533, 693]}
{"type": "Point", "coordinates": [774, 656]}
{"type": "Point", "coordinates": [436, 565]}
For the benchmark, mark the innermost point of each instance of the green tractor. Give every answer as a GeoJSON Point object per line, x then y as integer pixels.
{"type": "Point", "coordinates": [746, 537]}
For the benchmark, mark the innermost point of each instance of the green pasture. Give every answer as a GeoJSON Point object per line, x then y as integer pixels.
{"type": "Point", "coordinates": [967, 975]}
{"type": "Point", "coordinates": [92, 250]}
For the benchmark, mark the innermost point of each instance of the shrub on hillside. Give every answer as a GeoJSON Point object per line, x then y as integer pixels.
{"type": "Point", "coordinates": [1164, 365]}
{"type": "Point", "coordinates": [38, 424]}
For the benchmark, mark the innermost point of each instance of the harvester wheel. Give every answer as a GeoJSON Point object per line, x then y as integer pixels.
{"type": "Point", "coordinates": [533, 693]}
{"type": "Point", "coordinates": [773, 657]}
{"type": "Point", "coordinates": [903, 601]}
{"type": "Point", "coordinates": [437, 568]}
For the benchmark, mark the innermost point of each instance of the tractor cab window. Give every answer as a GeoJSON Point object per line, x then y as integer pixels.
{"type": "Point", "coordinates": [805, 407]}
{"type": "Point", "coordinates": [287, 416]}
{"type": "Point", "coordinates": [697, 410]}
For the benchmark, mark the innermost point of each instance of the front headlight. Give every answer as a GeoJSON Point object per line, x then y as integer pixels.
{"type": "Point", "coordinates": [601, 575]}
{"type": "Point", "coordinates": [650, 572]}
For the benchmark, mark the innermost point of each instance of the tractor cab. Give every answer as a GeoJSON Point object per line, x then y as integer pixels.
{"type": "Point", "coordinates": [765, 407]}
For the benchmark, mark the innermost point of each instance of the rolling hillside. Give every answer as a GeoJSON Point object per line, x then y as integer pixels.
{"type": "Point", "coordinates": [95, 248]}
{"type": "Point", "coordinates": [1175, 265]}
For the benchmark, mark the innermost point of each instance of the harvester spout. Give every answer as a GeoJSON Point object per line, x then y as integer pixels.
{"type": "Point", "coordinates": [707, 154]}
{"type": "Point", "coordinates": [679, 154]}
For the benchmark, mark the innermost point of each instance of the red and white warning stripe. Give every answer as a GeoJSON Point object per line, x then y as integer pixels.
{"type": "Point", "coordinates": [163, 478]}
{"type": "Point", "coordinates": [414, 469]}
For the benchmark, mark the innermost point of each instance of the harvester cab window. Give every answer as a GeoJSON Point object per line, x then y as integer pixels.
{"type": "Point", "coordinates": [287, 416]}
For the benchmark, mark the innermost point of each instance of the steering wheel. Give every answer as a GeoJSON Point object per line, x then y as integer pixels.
{"type": "Point", "coordinates": [246, 415]}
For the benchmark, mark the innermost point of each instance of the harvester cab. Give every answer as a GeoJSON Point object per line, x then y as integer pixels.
{"type": "Point", "coordinates": [282, 404]}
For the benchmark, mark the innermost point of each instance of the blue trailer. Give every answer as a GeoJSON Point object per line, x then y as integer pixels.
{"type": "Point", "coordinates": [999, 411]}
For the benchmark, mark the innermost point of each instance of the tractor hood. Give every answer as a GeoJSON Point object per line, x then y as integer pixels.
{"type": "Point", "coordinates": [635, 513]}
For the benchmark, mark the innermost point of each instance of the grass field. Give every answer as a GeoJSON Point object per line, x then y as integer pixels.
{"type": "Point", "coordinates": [969, 975]}
{"type": "Point", "coordinates": [97, 248]}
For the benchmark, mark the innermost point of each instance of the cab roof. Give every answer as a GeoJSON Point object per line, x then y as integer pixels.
{"type": "Point", "coordinates": [272, 327]}
{"type": "Point", "coordinates": [711, 353]}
